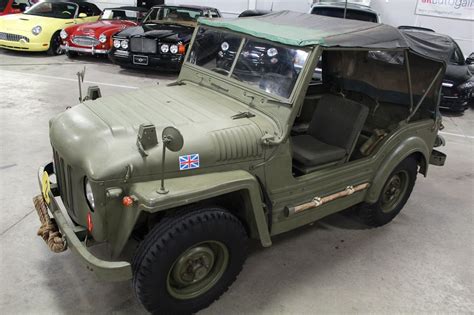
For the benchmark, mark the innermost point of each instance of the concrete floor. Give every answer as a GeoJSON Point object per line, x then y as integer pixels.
{"type": "Point", "coordinates": [422, 262]}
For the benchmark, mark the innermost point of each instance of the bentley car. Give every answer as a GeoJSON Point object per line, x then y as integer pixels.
{"type": "Point", "coordinates": [96, 37]}
{"type": "Point", "coordinates": [458, 82]}
{"type": "Point", "coordinates": [38, 28]}
{"type": "Point", "coordinates": [161, 40]}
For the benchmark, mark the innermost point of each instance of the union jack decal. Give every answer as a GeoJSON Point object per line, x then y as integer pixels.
{"type": "Point", "coordinates": [188, 162]}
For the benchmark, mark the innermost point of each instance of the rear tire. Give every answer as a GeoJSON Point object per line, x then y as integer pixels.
{"type": "Point", "coordinates": [188, 260]}
{"type": "Point", "coordinates": [394, 195]}
{"type": "Point", "coordinates": [55, 45]}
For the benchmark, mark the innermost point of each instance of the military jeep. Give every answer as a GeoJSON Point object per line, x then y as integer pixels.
{"type": "Point", "coordinates": [322, 115]}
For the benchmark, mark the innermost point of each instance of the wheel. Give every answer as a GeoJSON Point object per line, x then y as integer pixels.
{"type": "Point", "coordinates": [55, 45]}
{"type": "Point", "coordinates": [71, 54]}
{"type": "Point", "coordinates": [394, 195]}
{"type": "Point", "coordinates": [188, 260]}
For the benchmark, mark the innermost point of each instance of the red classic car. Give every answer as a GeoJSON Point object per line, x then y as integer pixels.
{"type": "Point", "coordinates": [96, 37]}
{"type": "Point", "coordinates": [11, 7]}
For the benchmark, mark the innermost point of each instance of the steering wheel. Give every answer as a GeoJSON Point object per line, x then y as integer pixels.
{"type": "Point", "coordinates": [226, 72]}
{"type": "Point", "coordinates": [66, 12]}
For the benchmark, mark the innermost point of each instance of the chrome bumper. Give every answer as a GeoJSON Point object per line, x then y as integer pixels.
{"type": "Point", "coordinates": [91, 50]}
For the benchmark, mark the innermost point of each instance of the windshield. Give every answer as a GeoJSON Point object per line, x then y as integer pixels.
{"type": "Point", "coordinates": [172, 15]}
{"type": "Point", "coordinates": [271, 67]}
{"type": "Point", "coordinates": [115, 14]}
{"type": "Point", "coordinates": [350, 14]}
{"type": "Point", "coordinates": [60, 10]}
{"type": "Point", "coordinates": [3, 5]}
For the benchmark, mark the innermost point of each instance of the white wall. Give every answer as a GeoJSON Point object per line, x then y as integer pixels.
{"type": "Point", "coordinates": [402, 12]}
{"type": "Point", "coordinates": [102, 4]}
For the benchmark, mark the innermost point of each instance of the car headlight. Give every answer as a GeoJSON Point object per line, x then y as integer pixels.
{"type": "Point", "coordinates": [102, 38]}
{"type": "Point", "coordinates": [63, 34]}
{"type": "Point", "coordinates": [89, 194]}
{"type": "Point", "coordinates": [116, 43]}
{"type": "Point", "coordinates": [174, 49]}
{"type": "Point", "coordinates": [225, 46]}
{"type": "Point", "coordinates": [36, 30]}
{"type": "Point", "coordinates": [124, 44]}
{"type": "Point", "coordinates": [165, 48]}
{"type": "Point", "coordinates": [272, 52]}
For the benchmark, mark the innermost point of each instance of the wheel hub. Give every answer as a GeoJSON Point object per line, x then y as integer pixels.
{"type": "Point", "coordinates": [393, 191]}
{"type": "Point", "coordinates": [193, 265]}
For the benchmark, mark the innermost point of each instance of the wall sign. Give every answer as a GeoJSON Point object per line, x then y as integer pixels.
{"type": "Point", "coordinates": [454, 9]}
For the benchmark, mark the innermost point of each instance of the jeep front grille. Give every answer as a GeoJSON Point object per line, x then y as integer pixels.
{"type": "Point", "coordinates": [13, 37]}
{"type": "Point", "coordinates": [64, 179]}
{"type": "Point", "coordinates": [143, 45]}
{"type": "Point", "coordinates": [86, 41]}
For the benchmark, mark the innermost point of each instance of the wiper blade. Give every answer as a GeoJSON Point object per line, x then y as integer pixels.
{"type": "Point", "coordinates": [243, 115]}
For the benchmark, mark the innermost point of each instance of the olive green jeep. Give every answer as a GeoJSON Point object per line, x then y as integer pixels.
{"type": "Point", "coordinates": [273, 123]}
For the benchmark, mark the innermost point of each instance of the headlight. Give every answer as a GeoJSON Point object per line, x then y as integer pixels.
{"type": "Point", "coordinates": [89, 194]}
{"type": "Point", "coordinates": [225, 46]}
{"type": "Point", "coordinates": [116, 43]}
{"type": "Point", "coordinates": [165, 48]}
{"type": "Point", "coordinates": [102, 38]}
{"type": "Point", "coordinates": [174, 49]}
{"type": "Point", "coordinates": [272, 52]}
{"type": "Point", "coordinates": [63, 34]}
{"type": "Point", "coordinates": [124, 44]}
{"type": "Point", "coordinates": [36, 30]}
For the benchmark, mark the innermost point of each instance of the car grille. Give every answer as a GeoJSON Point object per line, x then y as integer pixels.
{"type": "Point", "coordinates": [64, 179]}
{"type": "Point", "coordinates": [13, 37]}
{"type": "Point", "coordinates": [87, 41]}
{"type": "Point", "coordinates": [143, 45]}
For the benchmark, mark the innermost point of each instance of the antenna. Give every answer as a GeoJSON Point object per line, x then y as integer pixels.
{"type": "Point", "coordinates": [80, 79]}
{"type": "Point", "coordinates": [271, 8]}
{"type": "Point", "coordinates": [173, 141]}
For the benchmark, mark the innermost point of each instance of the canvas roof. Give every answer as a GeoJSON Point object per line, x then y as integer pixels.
{"type": "Point", "coordinates": [301, 29]}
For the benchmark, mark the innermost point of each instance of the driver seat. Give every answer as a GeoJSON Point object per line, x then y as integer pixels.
{"type": "Point", "coordinates": [332, 133]}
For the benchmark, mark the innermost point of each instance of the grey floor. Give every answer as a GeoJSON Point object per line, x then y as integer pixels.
{"type": "Point", "coordinates": [422, 262]}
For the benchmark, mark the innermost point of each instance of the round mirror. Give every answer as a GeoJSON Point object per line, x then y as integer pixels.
{"type": "Point", "coordinates": [172, 139]}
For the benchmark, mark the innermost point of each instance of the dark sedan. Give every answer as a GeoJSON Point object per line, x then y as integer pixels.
{"type": "Point", "coordinates": [161, 40]}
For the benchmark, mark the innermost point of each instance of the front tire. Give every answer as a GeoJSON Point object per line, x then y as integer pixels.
{"type": "Point", "coordinates": [188, 260]}
{"type": "Point", "coordinates": [55, 45]}
{"type": "Point", "coordinates": [394, 195]}
{"type": "Point", "coordinates": [71, 54]}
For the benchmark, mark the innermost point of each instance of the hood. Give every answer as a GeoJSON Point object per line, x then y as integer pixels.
{"type": "Point", "coordinates": [168, 32]}
{"type": "Point", "coordinates": [25, 22]}
{"type": "Point", "coordinates": [457, 74]}
{"type": "Point", "coordinates": [100, 136]}
{"type": "Point", "coordinates": [101, 26]}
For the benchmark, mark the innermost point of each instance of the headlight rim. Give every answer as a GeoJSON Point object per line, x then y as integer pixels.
{"type": "Point", "coordinates": [63, 34]}
{"type": "Point", "coordinates": [102, 38]}
{"type": "Point", "coordinates": [36, 33]}
{"type": "Point", "coordinates": [124, 44]}
{"type": "Point", "coordinates": [167, 48]}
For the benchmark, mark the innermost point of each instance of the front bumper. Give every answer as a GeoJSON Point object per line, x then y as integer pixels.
{"type": "Point", "coordinates": [85, 50]}
{"type": "Point", "coordinates": [155, 61]}
{"type": "Point", "coordinates": [24, 46]}
{"type": "Point", "coordinates": [75, 235]}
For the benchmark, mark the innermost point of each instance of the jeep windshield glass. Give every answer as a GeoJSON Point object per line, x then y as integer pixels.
{"type": "Point", "coordinates": [172, 15]}
{"type": "Point", "coordinates": [271, 67]}
{"type": "Point", "coordinates": [59, 10]}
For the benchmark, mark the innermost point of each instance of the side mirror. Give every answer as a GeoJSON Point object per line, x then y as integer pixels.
{"type": "Point", "coordinates": [82, 15]}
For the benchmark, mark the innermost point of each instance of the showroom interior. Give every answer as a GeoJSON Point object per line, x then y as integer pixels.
{"type": "Point", "coordinates": [237, 156]}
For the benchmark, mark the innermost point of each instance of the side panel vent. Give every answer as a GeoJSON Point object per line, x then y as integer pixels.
{"type": "Point", "coordinates": [238, 143]}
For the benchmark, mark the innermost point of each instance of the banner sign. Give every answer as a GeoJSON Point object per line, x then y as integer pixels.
{"type": "Point", "coordinates": [454, 9]}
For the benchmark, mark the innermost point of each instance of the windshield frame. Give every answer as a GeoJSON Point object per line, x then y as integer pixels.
{"type": "Point", "coordinates": [245, 37]}
{"type": "Point", "coordinates": [180, 22]}
{"type": "Point", "coordinates": [53, 17]}
{"type": "Point", "coordinates": [136, 19]}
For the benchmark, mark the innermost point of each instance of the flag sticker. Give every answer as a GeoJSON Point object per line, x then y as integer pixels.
{"type": "Point", "coordinates": [188, 162]}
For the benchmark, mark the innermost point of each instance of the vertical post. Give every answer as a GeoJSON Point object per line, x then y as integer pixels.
{"type": "Point", "coordinates": [345, 9]}
{"type": "Point", "coordinates": [410, 88]}
{"type": "Point", "coordinates": [162, 188]}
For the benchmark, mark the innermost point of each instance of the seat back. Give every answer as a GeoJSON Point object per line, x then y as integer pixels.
{"type": "Point", "coordinates": [338, 121]}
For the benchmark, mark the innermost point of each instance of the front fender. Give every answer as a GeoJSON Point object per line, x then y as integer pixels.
{"type": "Point", "coordinates": [191, 189]}
{"type": "Point", "coordinates": [412, 145]}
